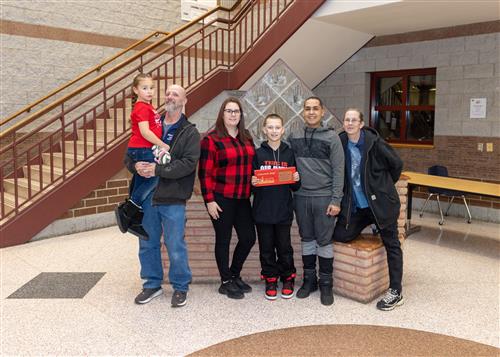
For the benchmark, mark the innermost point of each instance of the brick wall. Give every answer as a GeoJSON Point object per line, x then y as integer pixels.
{"type": "Point", "coordinates": [104, 198]}
{"type": "Point", "coordinates": [70, 38]}
{"type": "Point", "coordinates": [467, 66]}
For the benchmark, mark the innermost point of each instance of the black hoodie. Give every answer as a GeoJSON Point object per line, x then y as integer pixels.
{"type": "Point", "coordinates": [273, 204]}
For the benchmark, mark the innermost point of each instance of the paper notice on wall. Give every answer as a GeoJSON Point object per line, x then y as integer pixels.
{"type": "Point", "coordinates": [478, 108]}
{"type": "Point", "coordinates": [191, 9]}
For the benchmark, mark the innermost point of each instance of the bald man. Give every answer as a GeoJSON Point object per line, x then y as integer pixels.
{"type": "Point", "coordinates": [166, 205]}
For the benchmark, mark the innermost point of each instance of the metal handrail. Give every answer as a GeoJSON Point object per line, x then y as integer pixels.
{"type": "Point", "coordinates": [54, 104]}
{"type": "Point", "coordinates": [80, 77]}
{"type": "Point", "coordinates": [77, 119]}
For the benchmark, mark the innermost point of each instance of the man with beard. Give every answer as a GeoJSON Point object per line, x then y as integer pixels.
{"type": "Point", "coordinates": [165, 207]}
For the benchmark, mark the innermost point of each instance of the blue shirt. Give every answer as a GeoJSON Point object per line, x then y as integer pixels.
{"type": "Point", "coordinates": [170, 129]}
{"type": "Point", "coordinates": [359, 195]}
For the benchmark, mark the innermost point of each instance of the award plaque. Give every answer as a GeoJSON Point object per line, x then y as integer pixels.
{"type": "Point", "coordinates": [272, 177]}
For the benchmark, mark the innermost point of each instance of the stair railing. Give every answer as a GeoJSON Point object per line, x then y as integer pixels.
{"type": "Point", "coordinates": [50, 145]}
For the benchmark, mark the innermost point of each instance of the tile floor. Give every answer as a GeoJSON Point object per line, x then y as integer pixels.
{"type": "Point", "coordinates": [451, 286]}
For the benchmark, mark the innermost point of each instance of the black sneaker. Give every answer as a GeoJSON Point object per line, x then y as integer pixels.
{"type": "Point", "coordinates": [230, 289]}
{"type": "Point", "coordinates": [244, 287]}
{"type": "Point", "coordinates": [148, 294]}
{"type": "Point", "coordinates": [391, 299]}
{"type": "Point", "coordinates": [179, 298]}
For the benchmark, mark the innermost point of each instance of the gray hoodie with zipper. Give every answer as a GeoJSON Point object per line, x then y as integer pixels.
{"type": "Point", "coordinates": [320, 161]}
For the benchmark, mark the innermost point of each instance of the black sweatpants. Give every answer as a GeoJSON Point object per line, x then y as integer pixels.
{"type": "Point", "coordinates": [235, 213]}
{"type": "Point", "coordinates": [276, 252]}
{"type": "Point", "coordinates": [361, 219]}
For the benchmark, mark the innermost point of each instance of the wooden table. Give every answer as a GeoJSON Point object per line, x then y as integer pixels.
{"type": "Point", "coordinates": [450, 183]}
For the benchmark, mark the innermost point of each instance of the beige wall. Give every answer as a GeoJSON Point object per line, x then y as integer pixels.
{"type": "Point", "coordinates": [44, 44]}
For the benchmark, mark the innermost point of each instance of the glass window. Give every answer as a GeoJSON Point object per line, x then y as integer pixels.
{"type": "Point", "coordinates": [420, 125]}
{"type": "Point", "coordinates": [402, 105]}
{"type": "Point", "coordinates": [422, 90]}
{"type": "Point", "coordinates": [390, 91]}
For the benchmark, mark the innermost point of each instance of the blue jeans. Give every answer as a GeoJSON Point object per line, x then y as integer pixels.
{"type": "Point", "coordinates": [169, 220]}
{"type": "Point", "coordinates": [142, 186]}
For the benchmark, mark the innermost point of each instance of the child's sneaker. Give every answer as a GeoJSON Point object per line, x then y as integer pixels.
{"type": "Point", "coordinates": [271, 287]}
{"type": "Point", "coordinates": [288, 285]}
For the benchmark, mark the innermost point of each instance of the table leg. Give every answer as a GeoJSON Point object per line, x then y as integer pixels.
{"type": "Point", "coordinates": [409, 228]}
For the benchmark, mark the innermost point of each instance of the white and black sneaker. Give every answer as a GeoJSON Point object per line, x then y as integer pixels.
{"type": "Point", "coordinates": [179, 298]}
{"type": "Point", "coordinates": [391, 299]}
{"type": "Point", "coordinates": [148, 294]}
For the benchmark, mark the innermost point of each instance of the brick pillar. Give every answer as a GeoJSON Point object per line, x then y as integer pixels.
{"type": "Point", "coordinates": [360, 266]}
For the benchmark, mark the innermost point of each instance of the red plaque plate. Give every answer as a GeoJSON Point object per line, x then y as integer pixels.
{"type": "Point", "coordinates": [272, 177]}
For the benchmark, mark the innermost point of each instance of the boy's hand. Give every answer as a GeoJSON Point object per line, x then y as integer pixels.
{"type": "Point", "coordinates": [296, 176]}
{"type": "Point", "coordinates": [255, 180]}
{"type": "Point", "coordinates": [332, 210]}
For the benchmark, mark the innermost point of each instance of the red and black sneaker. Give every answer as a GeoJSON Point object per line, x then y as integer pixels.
{"type": "Point", "coordinates": [271, 287]}
{"type": "Point", "coordinates": [288, 285]}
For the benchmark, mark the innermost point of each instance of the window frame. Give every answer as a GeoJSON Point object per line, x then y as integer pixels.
{"type": "Point", "coordinates": [405, 108]}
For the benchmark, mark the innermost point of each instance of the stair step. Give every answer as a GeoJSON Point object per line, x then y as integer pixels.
{"type": "Point", "coordinates": [46, 173]}
{"type": "Point", "coordinates": [9, 202]}
{"type": "Point", "coordinates": [110, 124]}
{"type": "Point", "coordinates": [98, 133]}
{"type": "Point", "coordinates": [119, 114]}
{"type": "Point", "coordinates": [80, 145]}
{"type": "Point", "coordinates": [57, 159]}
{"type": "Point", "coordinates": [22, 187]}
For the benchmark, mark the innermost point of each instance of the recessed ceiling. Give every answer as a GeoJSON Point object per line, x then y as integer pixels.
{"type": "Point", "coordinates": [409, 15]}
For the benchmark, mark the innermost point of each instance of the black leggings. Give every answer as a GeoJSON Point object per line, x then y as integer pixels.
{"type": "Point", "coordinates": [235, 213]}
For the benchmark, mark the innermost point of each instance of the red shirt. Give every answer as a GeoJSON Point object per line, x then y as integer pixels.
{"type": "Point", "coordinates": [144, 112]}
{"type": "Point", "coordinates": [225, 167]}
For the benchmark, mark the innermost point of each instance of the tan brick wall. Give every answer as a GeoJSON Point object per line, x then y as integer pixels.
{"type": "Point", "coordinates": [39, 64]}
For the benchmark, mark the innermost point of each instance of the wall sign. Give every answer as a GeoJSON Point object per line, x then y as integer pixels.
{"type": "Point", "coordinates": [191, 9]}
{"type": "Point", "coordinates": [478, 108]}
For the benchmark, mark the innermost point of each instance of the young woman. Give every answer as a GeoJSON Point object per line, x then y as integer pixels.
{"type": "Point", "coordinates": [225, 172]}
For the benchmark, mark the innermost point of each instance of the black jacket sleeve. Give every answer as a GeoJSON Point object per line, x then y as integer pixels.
{"type": "Point", "coordinates": [185, 165]}
{"type": "Point", "coordinates": [392, 160]}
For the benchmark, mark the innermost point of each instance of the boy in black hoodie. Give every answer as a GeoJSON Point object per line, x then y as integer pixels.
{"type": "Point", "coordinates": [273, 211]}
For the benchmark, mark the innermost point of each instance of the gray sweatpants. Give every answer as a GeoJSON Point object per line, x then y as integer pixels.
{"type": "Point", "coordinates": [315, 227]}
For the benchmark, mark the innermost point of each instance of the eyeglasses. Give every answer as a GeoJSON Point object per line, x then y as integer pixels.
{"type": "Point", "coordinates": [351, 120]}
{"type": "Point", "coordinates": [231, 112]}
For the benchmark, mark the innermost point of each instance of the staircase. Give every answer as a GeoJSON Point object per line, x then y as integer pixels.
{"type": "Point", "coordinates": [63, 146]}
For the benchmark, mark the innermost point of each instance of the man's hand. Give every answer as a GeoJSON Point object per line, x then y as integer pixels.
{"type": "Point", "coordinates": [145, 169]}
{"type": "Point", "coordinates": [255, 180]}
{"type": "Point", "coordinates": [332, 210]}
{"type": "Point", "coordinates": [213, 210]}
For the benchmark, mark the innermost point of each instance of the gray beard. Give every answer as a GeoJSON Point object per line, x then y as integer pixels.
{"type": "Point", "coordinates": [171, 108]}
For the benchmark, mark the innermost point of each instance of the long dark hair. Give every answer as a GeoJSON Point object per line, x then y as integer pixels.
{"type": "Point", "coordinates": [220, 128]}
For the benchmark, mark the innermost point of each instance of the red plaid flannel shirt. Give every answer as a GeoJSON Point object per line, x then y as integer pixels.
{"type": "Point", "coordinates": [225, 167]}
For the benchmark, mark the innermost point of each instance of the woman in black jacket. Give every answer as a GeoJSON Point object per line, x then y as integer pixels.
{"type": "Point", "coordinates": [273, 211]}
{"type": "Point", "coordinates": [372, 168]}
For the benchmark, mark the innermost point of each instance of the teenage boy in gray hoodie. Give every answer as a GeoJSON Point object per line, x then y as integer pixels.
{"type": "Point", "coordinates": [320, 163]}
